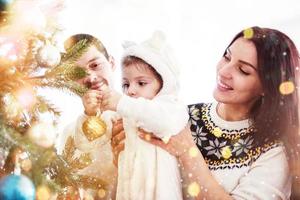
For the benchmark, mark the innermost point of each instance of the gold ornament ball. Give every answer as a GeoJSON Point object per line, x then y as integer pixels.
{"type": "Point", "coordinates": [93, 128]}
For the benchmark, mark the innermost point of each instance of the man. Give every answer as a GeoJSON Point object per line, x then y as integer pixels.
{"type": "Point", "coordinates": [91, 158]}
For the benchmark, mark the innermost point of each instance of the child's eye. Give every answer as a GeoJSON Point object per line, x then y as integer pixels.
{"type": "Point", "coordinates": [141, 83]}
{"type": "Point", "coordinates": [125, 85]}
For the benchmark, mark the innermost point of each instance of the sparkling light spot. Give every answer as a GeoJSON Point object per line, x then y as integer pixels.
{"type": "Point", "coordinates": [226, 152]}
{"type": "Point", "coordinates": [193, 152]}
{"type": "Point", "coordinates": [286, 88]}
{"type": "Point", "coordinates": [248, 33]}
{"type": "Point", "coordinates": [26, 97]}
{"type": "Point", "coordinates": [101, 193]}
{"type": "Point", "coordinates": [43, 134]}
{"type": "Point", "coordinates": [166, 139]}
{"type": "Point", "coordinates": [217, 132]}
{"type": "Point", "coordinates": [43, 193]}
{"type": "Point", "coordinates": [88, 197]}
{"type": "Point", "coordinates": [12, 107]}
{"type": "Point", "coordinates": [148, 137]}
{"type": "Point", "coordinates": [193, 189]}
{"type": "Point", "coordinates": [5, 49]}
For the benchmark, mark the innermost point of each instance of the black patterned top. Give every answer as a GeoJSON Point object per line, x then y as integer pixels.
{"type": "Point", "coordinates": [225, 144]}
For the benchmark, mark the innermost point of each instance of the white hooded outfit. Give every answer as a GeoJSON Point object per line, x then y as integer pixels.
{"type": "Point", "coordinates": [147, 172]}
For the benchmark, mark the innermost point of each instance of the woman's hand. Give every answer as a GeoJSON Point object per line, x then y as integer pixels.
{"type": "Point", "coordinates": [192, 162]}
{"type": "Point", "coordinates": [178, 144]}
{"type": "Point", "coordinates": [117, 140]}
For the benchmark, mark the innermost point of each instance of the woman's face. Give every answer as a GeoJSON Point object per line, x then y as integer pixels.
{"type": "Point", "coordinates": [237, 75]}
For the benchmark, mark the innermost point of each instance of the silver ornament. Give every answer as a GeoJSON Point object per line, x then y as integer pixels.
{"type": "Point", "coordinates": [48, 56]}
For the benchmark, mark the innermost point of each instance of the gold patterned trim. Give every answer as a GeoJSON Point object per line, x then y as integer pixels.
{"type": "Point", "coordinates": [223, 133]}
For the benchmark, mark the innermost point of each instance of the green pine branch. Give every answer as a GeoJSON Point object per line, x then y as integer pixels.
{"type": "Point", "coordinates": [65, 86]}
{"type": "Point", "coordinates": [46, 163]}
{"type": "Point", "coordinates": [39, 156]}
{"type": "Point", "coordinates": [66, 71]}
{"type": "Point", "coordinates": [76, 51]}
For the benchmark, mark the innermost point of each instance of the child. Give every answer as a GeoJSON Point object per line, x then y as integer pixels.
{"type": "Point", "coordinates": [150, 82]}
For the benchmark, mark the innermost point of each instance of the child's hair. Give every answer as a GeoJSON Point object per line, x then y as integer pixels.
{"type": "Point", "coordinates": [141, 64]}
{"type": "Point", "coordinates": [72, 40]}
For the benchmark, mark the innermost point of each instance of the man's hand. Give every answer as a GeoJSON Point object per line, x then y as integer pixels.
{"type": "Point", "coordinates": [91, 102]}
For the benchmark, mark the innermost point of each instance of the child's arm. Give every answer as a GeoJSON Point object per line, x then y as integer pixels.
{"type": "Point", "coordinates": [164, 115]}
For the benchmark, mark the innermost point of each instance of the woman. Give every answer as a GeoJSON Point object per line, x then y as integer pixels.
{"type": "Point", "coordinates": [248, 138]}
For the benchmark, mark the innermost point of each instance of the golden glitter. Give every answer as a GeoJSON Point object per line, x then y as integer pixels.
{"type": "Point", "coordinates": [88, 197]}
{"type": "Point", "coordinates": [217, 132]}
{"type": "Point", "coordinates": [194, 189]}
{"type": "Point", "coordinates": [226, 152]}
{"type": "Point", "coordinates": [101, 193]}
{"type": "Point", "coordinates": [286, 87]}
{"type": "Point", "coordinates": [248, 33]}
{"type": "Point", "coordinates": [193, 151]}
{"type": "Point", "coordinates": [148, 137]}
{"type": "Point", "coordinates": [166, 139]}
{"type": "Point", "coordinates": [43, 193]}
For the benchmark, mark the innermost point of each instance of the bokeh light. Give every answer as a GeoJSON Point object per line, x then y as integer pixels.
{"type": "Point", "coordinates": [286, 87]}
{"type": "Point", "coordinates": [194, 189]}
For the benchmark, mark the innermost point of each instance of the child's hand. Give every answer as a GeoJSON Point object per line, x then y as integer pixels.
{"type": "Point", "coordinates": [110, 99]}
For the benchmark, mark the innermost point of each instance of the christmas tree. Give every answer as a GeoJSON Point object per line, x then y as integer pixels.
{"type": "Point", "coordinates": [31, 57]}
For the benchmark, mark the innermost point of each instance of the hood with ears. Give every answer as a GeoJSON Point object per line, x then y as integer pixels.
{"type": "Point", "coordinates": [156, 52]}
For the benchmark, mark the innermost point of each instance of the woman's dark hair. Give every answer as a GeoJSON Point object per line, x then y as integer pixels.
{"type": "Point", "coordinates": [275, 115]}
{"type": "Point", "coordinates": [72, 40]}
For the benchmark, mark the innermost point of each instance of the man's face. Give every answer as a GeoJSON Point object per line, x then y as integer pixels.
{"type": "Point", "coordinates": [99, 69]}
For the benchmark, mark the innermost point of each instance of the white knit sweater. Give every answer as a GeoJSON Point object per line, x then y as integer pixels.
{"type": "Point", "coordinates": [252, 170]}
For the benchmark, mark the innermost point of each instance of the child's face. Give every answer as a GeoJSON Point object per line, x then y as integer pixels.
{"type": "Point", "coordinates": [139, 81]}
{"type": "Point", "coordinates": [98, 67]}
